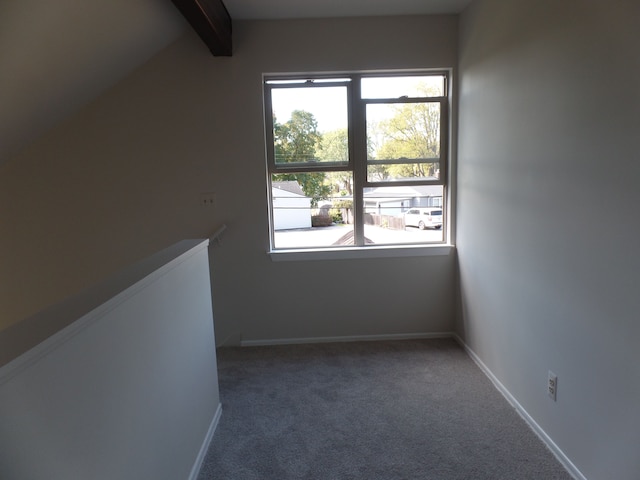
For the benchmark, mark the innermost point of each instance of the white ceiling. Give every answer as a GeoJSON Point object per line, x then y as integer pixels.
{"type": "Point", "coordinates": [56, 56]}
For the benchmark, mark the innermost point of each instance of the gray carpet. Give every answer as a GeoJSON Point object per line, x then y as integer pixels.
{"type": "Point", "coordinates": [368, 411]}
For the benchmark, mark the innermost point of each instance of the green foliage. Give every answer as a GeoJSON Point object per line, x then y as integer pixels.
{"type": "Point", "coordinates": [412, 133]}
{"type": "Point", "coordinates": [297, 139]}
{"type": "Point", "coordinates": [345, 203]}
{"type": "Point", "coordinates": [336, 215]}
{"type": "Point", "coordinates": [334, 147]}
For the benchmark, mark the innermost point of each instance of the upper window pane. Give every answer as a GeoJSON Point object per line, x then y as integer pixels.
{"type": "Point", "coordinates": [310, 125]}
{"type": "Point", "coordinates": [403, 141]}
{"type": "Point", "coordinates": [397, 87]}
{"type": "Point", "coordinates": [403, 130]}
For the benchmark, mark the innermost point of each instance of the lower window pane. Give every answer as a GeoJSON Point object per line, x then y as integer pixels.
{"type": "Point", "coordinates": [312, 210]}
{"type": "Point", "coordinates": [403, 215]}
{"type": "Point", "coordinates": [305, 218]}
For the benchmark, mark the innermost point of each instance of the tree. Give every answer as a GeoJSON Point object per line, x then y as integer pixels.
{"type": "Point", "coordinates": [335, 147]}
{"type": "Point", "coordinates": [295, 142]}
{"type": "Point", "coordinates": [375, 140]}
{"type": "Point", "coordinates": [413, 132]}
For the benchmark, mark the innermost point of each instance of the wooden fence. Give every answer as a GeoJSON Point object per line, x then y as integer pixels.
{"type": "Point", "coordinates": [384, 221]}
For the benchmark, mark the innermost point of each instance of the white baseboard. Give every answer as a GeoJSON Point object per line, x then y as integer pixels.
{"type": "Point", "coordinates": [350, 338]}
{"type": "Point", "coordinates": [195, 470]}
{"type": "Point", "coordinates": [559, 454]}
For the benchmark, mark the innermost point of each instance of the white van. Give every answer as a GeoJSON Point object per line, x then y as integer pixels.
{"type": "Point", "coordinates": [422, 218]}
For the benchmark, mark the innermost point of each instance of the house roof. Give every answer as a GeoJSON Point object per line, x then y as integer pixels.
{"type": "Point", "coordinates": [404, 191]}
{"type": "Point", "coordinates": [290, 186]}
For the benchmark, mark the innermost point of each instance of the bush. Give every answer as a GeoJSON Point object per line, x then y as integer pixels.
{"type": "Point", "coordinates": [343, 204]}
{"type": "Point", "coordinates": [321, 221]}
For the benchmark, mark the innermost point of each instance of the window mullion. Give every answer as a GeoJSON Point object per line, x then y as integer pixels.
{"type": "Point", "coordinates": [358, 142]}
{"type": "Point", "coordinates": [268, 119]}
{"type": "Point", "coordinates": [444, 143]}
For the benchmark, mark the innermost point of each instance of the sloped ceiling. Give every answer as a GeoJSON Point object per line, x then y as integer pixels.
{"type": "Point", "coordinates": [274, 9]}
{"type": "Point", "coordinates": [56, 56]}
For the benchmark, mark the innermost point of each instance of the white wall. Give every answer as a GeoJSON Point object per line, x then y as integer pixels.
{"type": "Point", "coordinates": [548, 231]}
{"type": "Point", "coordinates": [123, 178]}
{"type": "Point", "coordinates": [58, 56]}
{"type": "Point", "coordinates": [290, 210]}
{"type": "Point", "coordinates": [127, 390]}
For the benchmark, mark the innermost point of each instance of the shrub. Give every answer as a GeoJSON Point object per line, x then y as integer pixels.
{"type": "Point", "coordinates": [321, 221]}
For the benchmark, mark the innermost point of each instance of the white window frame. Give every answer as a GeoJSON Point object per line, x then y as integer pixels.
{"type": "Point", "coordinates": [357, 163]}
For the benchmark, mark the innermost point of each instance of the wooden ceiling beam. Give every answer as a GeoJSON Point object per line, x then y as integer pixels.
{"type": "Point", "coordinates": [211, 21]}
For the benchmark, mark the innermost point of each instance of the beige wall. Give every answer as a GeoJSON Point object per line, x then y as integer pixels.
{"type": "Point", "coordinates": [548, 229]}
{"type": "Point", "coordinates": [125, 392]}
{"type": "Point", "coordinates": [122, 179]}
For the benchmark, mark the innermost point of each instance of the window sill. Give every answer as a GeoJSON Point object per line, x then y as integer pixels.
{"type": "Point", "coordinates": [361, 252]}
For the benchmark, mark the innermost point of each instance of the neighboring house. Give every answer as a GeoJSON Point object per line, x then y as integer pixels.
{"type": "Point", "coordinates": [291, 208]}
{"type": "Point", "coordinates": [394, 201]}
{"type": "Point", "coordinates": [397, 200]}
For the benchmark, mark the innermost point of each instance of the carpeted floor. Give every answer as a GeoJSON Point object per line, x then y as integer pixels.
{"type": "Point", "coordinates": [414, 409]}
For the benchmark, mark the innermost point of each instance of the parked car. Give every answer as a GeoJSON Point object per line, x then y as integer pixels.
{"type": "Point", "coordinates": [422, 218]}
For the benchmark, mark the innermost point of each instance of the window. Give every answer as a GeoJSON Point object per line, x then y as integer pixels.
{"type": "Point", "coordinates": [356, 160]}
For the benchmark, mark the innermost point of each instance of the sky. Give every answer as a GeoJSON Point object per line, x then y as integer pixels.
{"type": "Point", "coordinates": [328, 105]}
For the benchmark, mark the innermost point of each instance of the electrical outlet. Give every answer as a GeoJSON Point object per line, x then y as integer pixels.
{"type": "Point", "coordinates": [552, 385]}
{"type": "Point", "coordinates": [208, 199]}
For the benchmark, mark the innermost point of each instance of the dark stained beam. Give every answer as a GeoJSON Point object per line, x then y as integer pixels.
{"type": "Point", "coordinates": [211, 21]}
